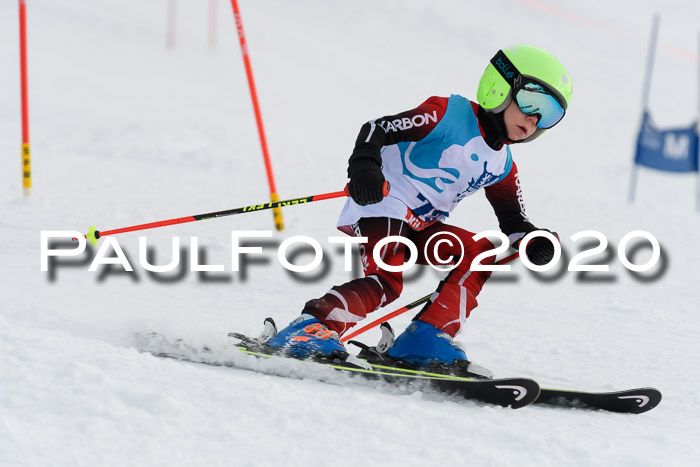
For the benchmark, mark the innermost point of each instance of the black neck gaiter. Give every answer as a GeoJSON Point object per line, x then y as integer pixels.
{"type": "Point", "coordinates": [494, 128]}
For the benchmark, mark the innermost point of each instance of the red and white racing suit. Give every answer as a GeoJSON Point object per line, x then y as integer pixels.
{"type": "Point", "coordinates": [433, 156]}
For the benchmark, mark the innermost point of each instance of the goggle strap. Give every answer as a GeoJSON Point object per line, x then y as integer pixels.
{"type": "Point", "coordinates": [507, 70]}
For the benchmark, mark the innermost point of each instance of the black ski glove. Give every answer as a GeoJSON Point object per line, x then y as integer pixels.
{"type": "Point", "coordinates": [368, 187]}
{"type": "Point", "coordinates": [540, 250]}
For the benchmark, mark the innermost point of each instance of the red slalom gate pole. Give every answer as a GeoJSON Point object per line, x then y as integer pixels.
{"type": "Point", "coordinates": [93, 234]}
{"type": "Point", "coordinates": [410, 306]}
{"type": "Point", "coordinates": [170, 24]}
{"type": "Point", "coordinates": [213, 24]}
{"type": "Point", "coordinates": [277, 213]}
{"type": "Point", "coordinates": [26, 152]}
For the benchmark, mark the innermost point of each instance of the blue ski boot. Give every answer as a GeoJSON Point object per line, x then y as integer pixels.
{"type": "Point", "coordinates": [306, 337]}
{"type": "Point", "coordinates": [427, 347]}
{"type": "Point", "coordinates": [424, 343]}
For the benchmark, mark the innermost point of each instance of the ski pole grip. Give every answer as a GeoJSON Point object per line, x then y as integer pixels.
{"type": "Point", "coordinates": [386, 187]}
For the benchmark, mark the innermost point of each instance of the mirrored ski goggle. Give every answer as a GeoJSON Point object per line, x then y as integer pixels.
{"type": "Point", "coordinates": [533, 99]}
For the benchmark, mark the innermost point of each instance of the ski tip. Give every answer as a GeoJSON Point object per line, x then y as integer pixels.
{"type": "Point", "coordinates": [514, 393]}
{"type": "Point", "coordinates": [523, 391]}
{"type": "Point", "coordinates": [630, 401]}
{"type": "Point", "coordinates": [638, 401]}
{"type": "Point", "coordinates": [93, 235]}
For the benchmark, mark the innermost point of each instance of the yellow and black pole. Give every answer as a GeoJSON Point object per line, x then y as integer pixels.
{"type": "Point", "coordinates": [26, 153]}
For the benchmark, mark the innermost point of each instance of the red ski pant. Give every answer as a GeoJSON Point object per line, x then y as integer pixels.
{"type": "Point", "coordinates": [448, 308]}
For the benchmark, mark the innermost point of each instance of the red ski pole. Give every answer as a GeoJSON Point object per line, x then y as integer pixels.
{"type": "Point", "coordinates": [277, 212]}
{"type": "Point", "coordinates": [410, 306]}
{"type": "Point", "coordinates": [26, 153]}
{"type": "Point", "coordinates": [93, 235]}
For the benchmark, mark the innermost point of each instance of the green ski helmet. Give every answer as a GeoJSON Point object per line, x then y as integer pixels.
{"type": "Point", "coordinates": [524, 67]}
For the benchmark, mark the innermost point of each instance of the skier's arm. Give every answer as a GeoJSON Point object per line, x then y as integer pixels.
{"type": "Point", "coordinates": [365, 164]}
{"type": "Point", "coordinates": [506, 198]}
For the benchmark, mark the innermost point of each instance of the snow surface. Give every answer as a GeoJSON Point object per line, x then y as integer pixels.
{"type": "Point", "coordinates": [124, 131]}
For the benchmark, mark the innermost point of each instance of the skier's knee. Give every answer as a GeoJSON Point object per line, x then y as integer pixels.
{"type": "Point", "coordinates": [392, 286]}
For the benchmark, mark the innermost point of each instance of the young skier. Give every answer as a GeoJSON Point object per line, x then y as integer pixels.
{"type": "Point", "coordinates": [434, 156]}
